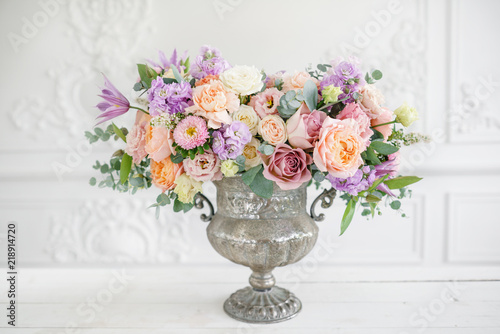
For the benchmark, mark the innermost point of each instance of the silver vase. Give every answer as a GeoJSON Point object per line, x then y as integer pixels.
{"type": "Point", "coordinates": [262, 234]}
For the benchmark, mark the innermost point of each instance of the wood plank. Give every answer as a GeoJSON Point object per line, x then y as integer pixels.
{"type": "Point", "coordinates": [211, 315]}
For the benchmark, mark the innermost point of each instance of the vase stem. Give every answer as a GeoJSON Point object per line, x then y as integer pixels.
{"type": "Point", "coordinates": [262, 281]}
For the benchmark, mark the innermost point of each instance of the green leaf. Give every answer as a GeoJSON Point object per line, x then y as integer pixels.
{"type": "Point", "coordinates": [104, 168]}
{"type": "Point", "coordinates": [125, 168]}
{"type": "Point", "coordinates": [395, 205]}
{"type": "Point", "coordinates": [383, 148]}
{"type": "Point", "coordinates": [402, 181]}
{"type": "Point", "coordinates": [177, 75]}
{"type": "Point", "coordinates": [143, 73]}
{"type": "Point", "coordinates": [137, 86]}
{"type": "Point", "coordinates": [371, 156]}
{"type": "Point", "coordinates": [169, 80]}
{"type": "Point", "coordinates": [240, 160]}
{"type": "Point", "coordinates": [311, 94]}
{"type": "Point", "coordinates": [377, 75]}
{"type": "Point", "coordinates": [249, 175]}
{"type": "Point", "coordinates": [321, 67]}
{"type": "Point", "coordinates": [372, 199]}
{"type": "Point", "coordinates": [92, 181]}
{"type": "Point", "coordinates": [176, 159]}
{"type": "Point", "coordinates": [261, 186]}
{"type": "Point", "coordinates": [348, 214]}
{"type": "Point", "coordinates": [377, 135]}
{"type": "Point", "coordinates": [377, 182]}
{"type": "Point", "coordinates": [157, 213]}
{"type": "Point", "coordinates": [366, 212]}
{"type": "Point", "coordinates": [119, 132]}
{"type": "Point", "coordinates": [318, 176]}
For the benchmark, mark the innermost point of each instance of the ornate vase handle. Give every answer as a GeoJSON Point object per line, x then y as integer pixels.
{"type": "Point", "coordinates": [326, 198]}
{"type": "Point", "coordinates": [198, 203]}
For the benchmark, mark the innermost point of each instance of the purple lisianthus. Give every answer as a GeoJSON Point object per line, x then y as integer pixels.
{"type": "Point", "coordinates": [114, 104]}
{"type": "Point", "coordinates": [208, 62]}
{"type": "Point", "coordinates": [347, 76]}
{"type": "Point", "coordinates": [168, 98]}
{"type": "Point", "coordinates": [165, 63]}
{"type": "Point", "coordinates": [230, 140]}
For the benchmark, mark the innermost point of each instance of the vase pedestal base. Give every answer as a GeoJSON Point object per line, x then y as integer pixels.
{"type": "Point", "coordinates": [262, 306]}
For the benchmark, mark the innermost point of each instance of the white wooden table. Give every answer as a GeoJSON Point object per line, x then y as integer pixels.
{"type": "Point", "coordinates": [189, 300]}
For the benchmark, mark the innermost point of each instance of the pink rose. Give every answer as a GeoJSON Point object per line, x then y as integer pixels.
{"type": "Point", "coordinates": [353, 111]}
{"type": "Point", "coordinates": [265, 103]}
{"type": "Point", "coordinates": [136, 138]}
{"type": "Point", "coordinates": [159, 142]}
{"type": "Point", "coordinates": [338, 149]}
{"type": "Point", "coordinates": [297, 81]}
{"type": "Point", "coordinates": [371, 101]}
{"type": "Point", "coordinates": [287, 167]}
{"type": "Point", "coordinates": [384, 117]}
{"type": "Point", "coordinates": [204, 167]}
{"type": "Point", "coordinates": [304, 126]}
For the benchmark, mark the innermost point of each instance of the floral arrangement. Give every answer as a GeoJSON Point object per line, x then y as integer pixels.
{"type": "Point", "coordinates": [202, 121]}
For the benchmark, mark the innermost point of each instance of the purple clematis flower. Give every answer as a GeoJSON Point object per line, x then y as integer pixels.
{"type": "Point", "coordinates": [114, 104]}
{"type": "Point", "coordinates": [166, 63]}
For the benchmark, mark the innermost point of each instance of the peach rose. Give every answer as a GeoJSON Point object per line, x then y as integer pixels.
{"type": "Point", "coordinates": [304, 126]}
{"type": "Point", "coordinates": [165, 172]}
{"type": "Point", "coordinates": [273, 130]}
{"type": "Point", "coordinates": [371, 101]}
{"type": "Point", "coordinates": [206, 80]}
{"type": "Point", "coordinates": [136, 138]}
{"type": "Point", "coordinates": [384, 117]}
{"type": "Point", "coordinates": [271, 79]}
{"type": "Point", "coordinates": [353, 111]}
{"type": "Point", "coordinates": [297, 81]}
{"type": "Point", "coordinates": [213, 102]}
{"type": "Point", "coordinates": [159, 142]}
{"type": "Point", "coordinates": [338, 150]}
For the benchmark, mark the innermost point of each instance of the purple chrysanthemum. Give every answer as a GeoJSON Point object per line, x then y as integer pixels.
{"type": "Point", "coordinates": [208, 62]}
{"type": "Point", "coordinates": [114, 104]}
{"type": "Point", "coordinates": [230, 140]}
{"type": "Point", "coordinates": [168, 98]}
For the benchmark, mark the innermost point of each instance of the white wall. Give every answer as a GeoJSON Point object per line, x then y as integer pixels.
{"type": "Point", "coordinates": [440, 56]}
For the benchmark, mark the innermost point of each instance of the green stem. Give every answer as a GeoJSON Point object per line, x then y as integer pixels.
{"type": "Point", "coordinates": [392, 122]}
{"type": "Point", "coordinates": [327, 105]}
{"type": "Point", "coordinates": [144, 111]}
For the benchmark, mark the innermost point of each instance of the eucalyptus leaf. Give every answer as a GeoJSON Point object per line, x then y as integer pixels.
{"type": "Point", "coordinates": [249, 175]}
{"type": "Point", "coordinates": [92, 181]}
{"type": "Point", "coordinates": [262, 186]}
{"type": "Point", "coordinates": [311, 94]}
{"type": "Point", "coordinates": [395, 205]}
{"type": "Point", "coordinates": [176, 73]}
{"type": "Point", "coordinates": [377, 75]}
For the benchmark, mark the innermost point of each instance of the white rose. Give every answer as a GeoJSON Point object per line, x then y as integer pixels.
{"type": "Point", "coordinates": [251, 153]}
{"type": "Point", "coordinates": [242, 79]}
{"type": "Point", "coordinates": [248, 116]}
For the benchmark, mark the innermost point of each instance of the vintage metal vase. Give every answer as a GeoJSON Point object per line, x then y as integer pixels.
{"type": "Point", "coordinates": [262, 234]}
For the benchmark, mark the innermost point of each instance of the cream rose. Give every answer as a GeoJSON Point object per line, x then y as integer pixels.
{"type": "Point", "coordinates": [248, 116]}
{"type": "Point", "coordinates": [242, 79]}
{"type": "Point", "coordinates": [186, 188]}
{"type": "Point", "coordinates": [272, 128]}
{"type": "Point", "coordinates": [371, 101]}
{"type": "Point", "coordinates": [251, 154]}
{"type": "Point", "coordinates": [406, 115]}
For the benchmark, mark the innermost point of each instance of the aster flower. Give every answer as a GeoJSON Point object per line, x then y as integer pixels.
{"type": "Point", "coordinates": [114, 104]}
{"type": "Point", "coordinates": [208, 62]}
{"type": "Point", "coordinates": [168, 98]}
{"type": "Point", "coordinates": [191, 132]}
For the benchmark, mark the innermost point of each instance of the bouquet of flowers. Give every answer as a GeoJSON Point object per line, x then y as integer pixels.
{"type": "Point", "coordinates": [206, 120]}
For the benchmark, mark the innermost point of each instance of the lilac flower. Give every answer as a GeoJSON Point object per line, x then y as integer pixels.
{"type": "Point", "coordinates": [347, 76]}
{"type": "Point", "coordinates": [209, 61]}
{"type": "Point", "coordinates": [165, 63]}
{"type": "Point", "coordinates": [114, 104]}
{"type": "Point", "coordinates": [230, 140]}
{"type": "Point", "coordinates": [168, 98]}
{"type": "Point", "coordinates": [360, 181]}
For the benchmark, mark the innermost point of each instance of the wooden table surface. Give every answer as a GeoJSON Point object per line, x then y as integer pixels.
{"type": "Point", "coordinates": [189, 300]}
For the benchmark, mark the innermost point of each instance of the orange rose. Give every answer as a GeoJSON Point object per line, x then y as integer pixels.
{"type": "Point", "coordinates": [159, 142]}
{"type": "Point", "coordinates": [213, 102]}
{"type": "Point", "coordinates": [338, 150]}
{"type": "Point", "coordinates": [272, 129]}
{"type": "Point", "coordinates": [165, 172]}
{"type": "Point", "coordinates": [206, 80]}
